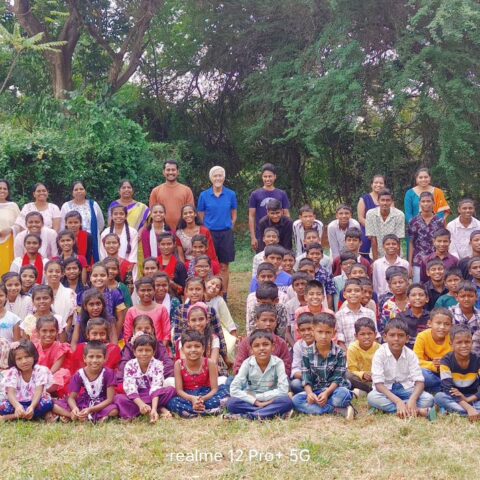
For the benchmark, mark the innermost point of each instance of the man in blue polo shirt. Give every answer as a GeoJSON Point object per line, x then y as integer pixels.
{"type": "Point", "coordinates": [217, 209]}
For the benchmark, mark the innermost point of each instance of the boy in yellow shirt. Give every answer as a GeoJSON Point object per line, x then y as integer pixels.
{"type": "Point", "coordinates": [432, 345]}
{"type": "Point", "coordinates": [359, 356]}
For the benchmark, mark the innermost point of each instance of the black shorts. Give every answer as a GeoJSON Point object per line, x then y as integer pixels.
{"type": "Point", "coordinates": [224, 245]}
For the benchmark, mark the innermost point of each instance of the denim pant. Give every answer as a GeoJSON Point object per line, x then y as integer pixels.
{"type": "Point", "coordinates": [340, 398]}
{"type": "Point", "coordinates": [432, 381]}
{"type": "Point", "coordinates": [451, 405]}
{"type": "Point", "coordinates": [382, 402]}
{"type": "Point", "coordinates": [279, 406]}
{"type": "Point", "coordinates": [44, 406]}
{"type": "Point", "coordinates": [296, 385]}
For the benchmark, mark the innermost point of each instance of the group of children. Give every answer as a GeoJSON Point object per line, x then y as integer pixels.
{"type": "Point", "coordinates": [83, 342]}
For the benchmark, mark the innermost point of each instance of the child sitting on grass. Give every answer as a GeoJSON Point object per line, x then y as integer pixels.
{"type": "Point", "coordinates": [397, 378]}
{"type": "Point", "coordinates": [144, 383]}
{"type": "Point", "coordinates": [196, 380]}
{"type": "Point", "coordinates": [453, 277]}
{"type": "Point", "coordinates": [26, 384]}
{"type": "Point", "coordinates": [360, 355]}
{"type": "Point", "coordinates": [459, 373]}
{"type": "Point", "coordinates": [259, 391]}
{"type": "Point", "coordinates": [432, 345]}
{"type": "Point", "coordinates": [91, 390]}
{"type": "Point", "coordinates": [323, 374]}
{"type": "Point", "coordinates": [305, 329]}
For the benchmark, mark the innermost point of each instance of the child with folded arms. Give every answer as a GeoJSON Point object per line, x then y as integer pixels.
{"type": "Point", "coordinates": [260, 389]}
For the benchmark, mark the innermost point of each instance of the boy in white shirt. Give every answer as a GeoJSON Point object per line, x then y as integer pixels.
{"type": "Point", "coordinates": [398, 383]}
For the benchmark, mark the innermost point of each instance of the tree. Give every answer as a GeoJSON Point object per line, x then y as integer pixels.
{"type": "Point", "coordinates": [118, 27]}
{"type": "Point", "coordinates": [21, 44]}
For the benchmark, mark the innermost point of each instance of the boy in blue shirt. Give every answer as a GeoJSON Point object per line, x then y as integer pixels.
{"type": "Point", "coordinates": [259, 391]}
{"type": "Point", "coordinates": [274, 255]}
{"type": "Point", "coordinates": [324, 366]}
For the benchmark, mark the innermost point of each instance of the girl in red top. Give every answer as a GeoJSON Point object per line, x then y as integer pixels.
{"type": "Point", "coordinates": [83, 239]}
{"type": "Point", "coordinates": [196, 380]}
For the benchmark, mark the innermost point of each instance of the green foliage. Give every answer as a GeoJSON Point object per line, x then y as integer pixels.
{"type": "Point", "coordinates": [80, 140]}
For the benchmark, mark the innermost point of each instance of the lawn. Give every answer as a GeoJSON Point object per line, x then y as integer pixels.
{"type": "Point", "coordinates": [373, 446]}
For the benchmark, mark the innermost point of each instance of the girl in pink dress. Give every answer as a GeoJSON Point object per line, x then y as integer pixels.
{"type": "Point", "coordinates": [26, 385]}
{"type": "Point", "coordinates": [143, 383]}
{"type": "Point", "coordinates": [53, 354]}
{"type": "Point", "coordinates": [92, 389]}
{"type": "Point", "coordinates": [145, 289]}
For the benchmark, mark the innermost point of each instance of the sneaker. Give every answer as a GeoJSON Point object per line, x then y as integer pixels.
{"type": "Point", "coordinates": [348, 413]}
{"type": "Point", "coordinates": [359, 393]}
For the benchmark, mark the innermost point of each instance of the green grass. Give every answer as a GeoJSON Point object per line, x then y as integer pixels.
{"type": "Point", "coordinates": [373, 446]}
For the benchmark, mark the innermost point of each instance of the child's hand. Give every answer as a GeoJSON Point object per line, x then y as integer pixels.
{"type": "Point", "coordinates": [455, 392]}
{"type": "Point", "coordinates": [402, 410]}
{"type": "Point", "coordinates": [473, 414]}
{"type": "Point", "coordinates": [436, 363]}
{"type": "Point", "coordinates": [260, 404]}
{"type": "Point", "coordinates": [367, 377]}
{"type": "Point", "coordinates": [412, 408]}
{"type": "Point", "coordinates": [322, 399]}
{"type": "Point", "coordinates": [75, 413]}
{"type": "Point", "coordinates": [145, 409]}
{"type": "Point", "coordinates": [312, 398]}
{"type": "Point", "coordinates": [28, 415]}
{"type": "Point", "coordinates": [19, 412]}
{"type": "Point", "coordinates": [153, 416]}
{"type": "Point", "coordinates": [198, 404]}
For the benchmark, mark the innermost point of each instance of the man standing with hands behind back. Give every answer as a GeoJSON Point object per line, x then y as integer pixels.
{"type": "Point", "coordinates": [172, 194]}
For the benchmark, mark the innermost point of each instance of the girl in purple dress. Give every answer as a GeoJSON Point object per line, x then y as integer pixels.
{"type": "Point", "coordinates": [196, 380]}
{"type": "Point", "coordinates": [144, 383]}
{"type": "Point", "coordinates": [91, 390]}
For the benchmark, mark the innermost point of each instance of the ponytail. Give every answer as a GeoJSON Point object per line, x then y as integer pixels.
{"type": "Point", "coordinates": [127, 231]}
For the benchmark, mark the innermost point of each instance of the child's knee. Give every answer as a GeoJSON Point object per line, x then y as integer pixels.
{"type": "Point", "coordinates": [341, 397]}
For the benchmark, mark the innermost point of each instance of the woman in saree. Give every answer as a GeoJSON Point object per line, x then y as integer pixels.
{"type": "Point", "coordinates": [9, 212]}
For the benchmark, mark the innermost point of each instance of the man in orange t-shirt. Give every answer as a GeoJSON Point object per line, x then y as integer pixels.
{"type": "Point", "coordinates": [172, 194]}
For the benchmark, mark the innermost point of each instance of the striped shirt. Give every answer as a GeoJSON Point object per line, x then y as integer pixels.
{"type": "Point", "coordinates": [453, 375]}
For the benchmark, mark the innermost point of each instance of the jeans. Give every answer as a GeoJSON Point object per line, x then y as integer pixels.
{"type": "Point", "coordinates": [432, 381]}
{"type": "Point", "coordinates": [340, 398]}
{"type": "Point", "coordinates": [296, 385]}
{"type": "Point", "coordinates": [279, 406]}
{"type": "Point", "coordinates": [451, 405]}
{"type": "Point", "coordinates": [382, 402]}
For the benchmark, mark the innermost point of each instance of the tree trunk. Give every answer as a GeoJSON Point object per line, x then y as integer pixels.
{"type": "Point", "coordinates": [61, 72]}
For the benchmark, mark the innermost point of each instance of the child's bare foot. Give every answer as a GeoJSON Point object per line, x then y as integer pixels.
{"type": "Point", "coordinates": [65, 419]}
{"type": "Point", "coordinates": [51, 417]}
{"type": "Point", "coordinates": [423, 412]}
{"type": "Point", "coordinates": [164, 413]}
